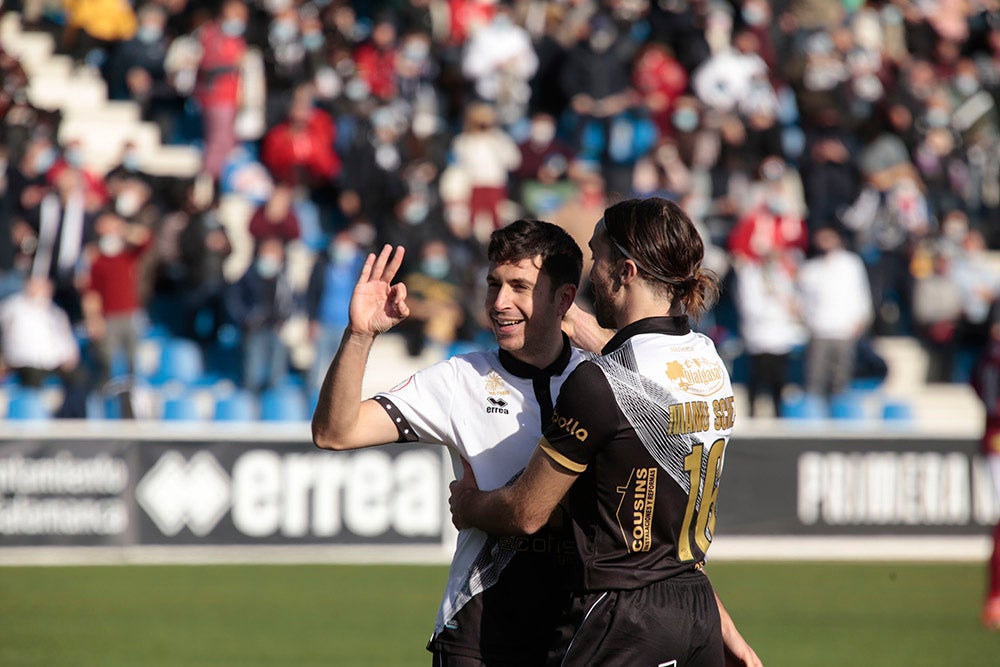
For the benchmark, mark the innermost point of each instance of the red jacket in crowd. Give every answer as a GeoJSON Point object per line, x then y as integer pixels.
{"type": "Point", "coordinates": [302, 152]}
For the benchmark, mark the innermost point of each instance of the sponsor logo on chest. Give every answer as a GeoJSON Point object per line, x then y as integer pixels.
{"type": "Point", "coordinates": [496, 389]}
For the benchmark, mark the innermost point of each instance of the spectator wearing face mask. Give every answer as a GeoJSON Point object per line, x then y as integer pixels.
{"type": "Point", "coordinates": [500, 60]}
{"type": "Point", "coordinates": [328, 295]}
{"type": "Point", "coordinates": [135, 70]}
{"type": "Point", "coordinates": [774, 226]}
{"type": "Point", "coordinates": [219, 80]}
{"type": "Point", "coordinates": [434, 298]}
{"type": "Point", "coordinates": [260, 303]}
{"type": "Point", "coordinates": [540, 182]}
{"type": "Point", "coordinates": [486, 155]}
{"type": "Point", "coordinates": [112, 306]}
{"type": "Point", "coordinates": [376, 59]}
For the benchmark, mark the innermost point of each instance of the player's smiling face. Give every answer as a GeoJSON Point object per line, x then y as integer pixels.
{"type": "Point", "coordinates": [524, 312]}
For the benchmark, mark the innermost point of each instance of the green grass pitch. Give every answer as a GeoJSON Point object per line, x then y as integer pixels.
{"type": "Point", "coordinates": [795, 614]}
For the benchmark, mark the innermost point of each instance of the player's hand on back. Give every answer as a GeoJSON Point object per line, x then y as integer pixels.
{"type": "Point", "coordinates": [460, 488]}
{"type": "Point", "coordinates": [377, 305]}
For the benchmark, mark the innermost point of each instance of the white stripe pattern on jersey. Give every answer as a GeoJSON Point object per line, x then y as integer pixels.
{"type": "Point", "coordinates": [645, 404]}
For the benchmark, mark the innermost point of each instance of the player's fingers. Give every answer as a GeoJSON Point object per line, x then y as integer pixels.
{"type": "Point", "coordinates": [366, 270]}
{"type": "Point", "coordinates": [467, 472]}
{"type": "Point", "coordinates": [399, 300]}
{"type": "Point", "coordinates": [395, 262]}
{"type": "Point", "coordinates": [383, 258]}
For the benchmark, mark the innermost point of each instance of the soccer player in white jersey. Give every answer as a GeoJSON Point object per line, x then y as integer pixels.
{"type": "Point", "coordinates": [504, 596]}
{"type": "Point", "coordinates": [635, 446]}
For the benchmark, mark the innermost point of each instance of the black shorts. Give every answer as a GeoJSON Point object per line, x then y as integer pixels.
{"type": "Point", "coordinates": [672, 623]}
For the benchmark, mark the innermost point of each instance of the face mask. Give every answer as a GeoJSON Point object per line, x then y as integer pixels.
{"type": "Point", "coordinates": [111, 245]}
{"type": "Point", "coordinates": [131, 162]}
{"type": "Point", "coordinates": [233, 27]}
{"type": "Point", "coordinates": [415, 212]}
{"type": "Point", "coordinates": [147, 34]}
{"type": "Point", "coordinates": [343, 253]}
{"type": "Point", "coordinates": [416, 51]}
{"type": "Point", "coordinates": [283, 31]}
{"type": "Point", "coordinates": [268, 267]}
{"type": "Point", "coordinates": [777, 206]}
{"type": "Point", "coordinates": [313, 41]}
{"type": "Point", "coordinates": [127, 204]}
{"type": "Point", "coordinates": [685, 120]}
{"type": "Point", "coordinates": [435, 267]}
{"type": "Point", "coordinates": [44, 160]}
{"type": "Point", "coordinates": [602, 40]}
{"type": "Point", "coordinates": [753, 15]}
{"type": "Point", "coordinates": [937, 117]}
{"type": "Point", "coordinates": [74, 156]}
{"type": "Point", "coordinates": [543, 133]}
{"type": "Point", "coordinates": [966, 85]}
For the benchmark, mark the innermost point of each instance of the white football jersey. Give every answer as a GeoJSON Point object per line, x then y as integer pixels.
{"type": "Point", "coordinates": [487, 408]}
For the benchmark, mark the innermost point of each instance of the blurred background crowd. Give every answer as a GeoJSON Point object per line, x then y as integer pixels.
{"type": "Point", "coordinates": [842, 159]}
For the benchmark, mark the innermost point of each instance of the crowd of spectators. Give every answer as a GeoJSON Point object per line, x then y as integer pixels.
{"type": "Point", "coordinates": [841, 158]}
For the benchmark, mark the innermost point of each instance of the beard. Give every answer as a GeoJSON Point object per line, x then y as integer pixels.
{"type": "Point", "coordinates": [603, 311]}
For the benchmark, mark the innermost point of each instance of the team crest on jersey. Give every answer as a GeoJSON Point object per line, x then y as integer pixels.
{"type": "Point", "coordinates": [699, 376]}
{"type": "Point", "coordinates": [495, 385]}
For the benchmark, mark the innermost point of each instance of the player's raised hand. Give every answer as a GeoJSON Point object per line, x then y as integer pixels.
{"type": "Point", "coordinates": [377, 305]}
{"type": "Point", "coordinates": [460, 488]}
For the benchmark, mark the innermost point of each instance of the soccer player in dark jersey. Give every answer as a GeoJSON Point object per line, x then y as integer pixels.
{"type": "Point", "coordinates": [635, 445]}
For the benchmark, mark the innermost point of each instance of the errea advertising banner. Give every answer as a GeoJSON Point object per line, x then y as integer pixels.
{"type": "Point", "coordinates": [144, 487]}
{"type": "Point", "coordinates": [92, 493]}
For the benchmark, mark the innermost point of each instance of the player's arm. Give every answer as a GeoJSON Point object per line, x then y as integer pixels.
{"type": "Point", "coordinates": [584, 331]}
{"type": "Point", "coordinates": [522, 508]}
{"type": "Point", "coordinates": [341, 419]}
{"type": "Point", "coordinates": [738, 651]}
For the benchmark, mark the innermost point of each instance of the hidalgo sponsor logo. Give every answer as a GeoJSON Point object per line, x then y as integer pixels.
{"type": "Point", "coordinates": [701, 377]}
{"type": "Point", "coordinates": [571, 426]}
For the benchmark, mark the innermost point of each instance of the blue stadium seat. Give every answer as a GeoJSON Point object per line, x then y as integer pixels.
{"type": "Point", "coordinates": [895, 410]}
{"type": "Point", "coordinates": [283, 404]}
{"type": "Point", "coordinates": [26, 403]}
{"type": "Point", "coordinates": [181, 408]}
{"type": "Point", "coordinates": [849, 405]}
{"type": "Point", "coordinates": [240, 406]}
{"type": "Point", "coordinates": [804, 406]}
{"type": "Point", "coordinates": [180, 359]}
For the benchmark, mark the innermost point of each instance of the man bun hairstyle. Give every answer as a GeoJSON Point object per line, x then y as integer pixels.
{"type": "Point", "coordinates": [659, 237]}
{"type": "Point", "coordinates": [562, 259]}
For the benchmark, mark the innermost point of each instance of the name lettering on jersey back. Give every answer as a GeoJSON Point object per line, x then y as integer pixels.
{"type": "Point", "coordinates": [725, 413]}
{"type": "Point", "coordinates": [698, 376]}
{"type": "Point", "coordinates": [638, 514]}
{"type": "Point", "coordinates": [571, 426]}
{"type": "Point", "coordinates": [690, 417]}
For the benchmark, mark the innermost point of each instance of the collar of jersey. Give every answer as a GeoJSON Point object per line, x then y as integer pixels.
{"type": "Point", "coordinates": [673, 326]}
{"type": "Point", "coordinates": [516, 367]}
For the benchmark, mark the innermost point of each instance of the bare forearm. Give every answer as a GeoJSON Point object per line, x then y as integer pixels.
{"type": "Point", "coordinates": [339, 404]}
{"type": "Point", "coordinates": [738, 651]}
{"type": "Point", "coordinates": [584, 331]}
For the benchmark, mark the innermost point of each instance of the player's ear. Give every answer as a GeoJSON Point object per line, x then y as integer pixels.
{"type": "Point", "coordinates": [628, 271]}
{"type": "Point", "coordinates": [565, 296]}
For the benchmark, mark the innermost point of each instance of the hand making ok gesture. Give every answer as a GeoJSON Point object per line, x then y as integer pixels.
{"type": "Point", "coordinates": [377, 305]}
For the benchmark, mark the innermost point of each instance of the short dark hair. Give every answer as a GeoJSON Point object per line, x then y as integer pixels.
{"type": "Point", "coordinates": [562, 259]}
{"type": "Point", "coordinates": [666, 247]}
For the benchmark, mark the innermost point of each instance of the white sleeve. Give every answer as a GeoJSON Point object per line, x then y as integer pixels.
{"type": "Point", "coordinates": [423, 403]}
